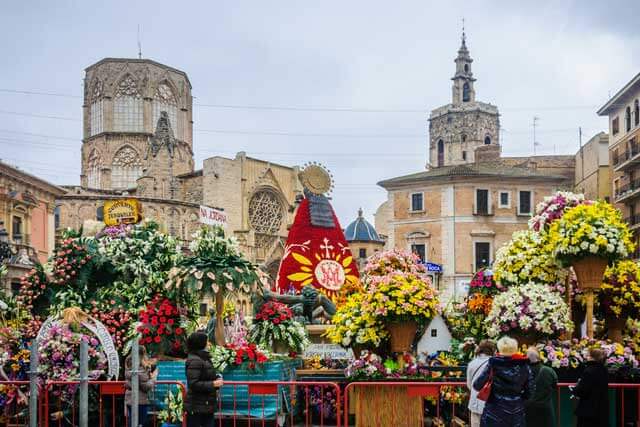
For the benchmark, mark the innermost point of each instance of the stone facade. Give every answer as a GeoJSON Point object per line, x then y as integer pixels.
{"type": "Point", "coordinates": [592, 169]}
{"type": "Point", "coordinates": [457, 129]}
{"type": "Point", "coordinates": [27, 206]}
{"type": "Point", "coordinates": [623, 110]}
{"type": "Point", "coordinates": [144, 133]}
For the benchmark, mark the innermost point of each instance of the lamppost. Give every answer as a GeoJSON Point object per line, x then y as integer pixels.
{"type": "Point", "coordinates": [5, 248]}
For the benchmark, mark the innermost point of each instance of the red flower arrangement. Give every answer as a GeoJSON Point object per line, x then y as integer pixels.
{"type": "Point", "coordinates": [247, 354]}
{"type": "Point", "coordinates": [116, 319]}
{"type": "Point", "coordinates": [33, 287]}
{"type": "Point", "coordinates": [274, 312]}
{"type": "Point", "coordinates": [70, 258]}
{"type": "Point", "coordinates": [160, 327]}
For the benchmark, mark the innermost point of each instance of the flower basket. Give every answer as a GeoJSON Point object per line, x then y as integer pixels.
{"type": "Point", "coordinates": [615, 325]}
{"type": "Point", "coordinates": [402, 335]}
{"type": "Point", "coordinates": [590, 271]}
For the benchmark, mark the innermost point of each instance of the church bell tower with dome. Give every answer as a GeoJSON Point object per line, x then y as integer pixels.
{"type": "Point", "coordinates": [457, 129]}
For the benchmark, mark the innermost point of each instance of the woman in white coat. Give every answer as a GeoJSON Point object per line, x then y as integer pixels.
{"type": "Point", "coordinates": [484, 350]}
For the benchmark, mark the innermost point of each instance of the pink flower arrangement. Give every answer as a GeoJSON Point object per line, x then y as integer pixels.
{"type": "Point", "coordinates": [483, 282]}
{"type": "Point", "coordinates": [553, 207]}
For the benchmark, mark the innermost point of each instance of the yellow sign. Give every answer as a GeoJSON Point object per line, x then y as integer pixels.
{"type": "Point", "coordinates": [123, 211]}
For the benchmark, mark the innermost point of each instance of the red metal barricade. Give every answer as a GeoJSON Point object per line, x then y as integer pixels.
{"type": "Point", "coordinates": [292, 403]}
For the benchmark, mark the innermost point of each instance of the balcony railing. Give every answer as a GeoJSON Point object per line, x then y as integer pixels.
{"type": "Point", "coordinates": [627, 189]}
{"type": "Point", "coordinates": [630, 155]}
{"type": "Point", "coordinates": [633, 220]}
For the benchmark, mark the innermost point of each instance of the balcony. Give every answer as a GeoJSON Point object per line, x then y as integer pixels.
{"type": "Point", "coordinates": [628, 191]}
{"type": "Point", "coordinates": [633, 221]}
{"type": "Point", "coordinates": [627, 160]}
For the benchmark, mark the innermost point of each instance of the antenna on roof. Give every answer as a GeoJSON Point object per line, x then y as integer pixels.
{"type": "Point", "coordinates": [139, 44]}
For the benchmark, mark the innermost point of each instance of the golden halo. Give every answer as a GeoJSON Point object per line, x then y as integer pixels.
{"type": "Point", "coordinates": [316, 179]}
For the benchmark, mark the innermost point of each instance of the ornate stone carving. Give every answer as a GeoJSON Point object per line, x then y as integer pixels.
{"type": "Point", "coordinates": [265, 212]}
{"type": "Point", "coordinates": [126, 156]}
{"type": "Point", "coordinates": [97, 90]}
{"type": "Point", "coordinates": [127, 87]}
{"type": "Point", "coordinates": [163, 137]}
{"type": "Point", "coordinates": [165, 94]}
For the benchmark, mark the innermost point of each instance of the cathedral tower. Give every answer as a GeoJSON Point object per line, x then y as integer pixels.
{"type": "Point", "coordinates": [123, 101]}
{"type": "Point", "coordinates": [457, 129]}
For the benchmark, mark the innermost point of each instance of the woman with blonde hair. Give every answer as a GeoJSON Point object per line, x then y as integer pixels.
{"type": "Point", "coordinates": [511, 384]}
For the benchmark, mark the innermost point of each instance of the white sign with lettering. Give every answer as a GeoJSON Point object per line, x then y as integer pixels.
{"type": "Point", "coordinates": [212, 216]}
{"type": "Point", "coordinates": [333, 351]}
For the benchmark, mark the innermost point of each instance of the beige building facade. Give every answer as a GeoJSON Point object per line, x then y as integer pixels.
{"type": "Point", "coordinates": [592, 177]}
{"type": "Point", "coordinates": [470, 200]}
{"type": "Point", "coordinates": [138, 143]}
{"type": "Point", "coordinates": [623, 111]}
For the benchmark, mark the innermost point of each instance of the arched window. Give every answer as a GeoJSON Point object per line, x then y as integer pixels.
{"type": "Point", "coordinates": [126, 168]}
{"type": "Point", "coordinates": [165, 100]}
{"type": "Point", "coordinates": [466, 93]}
{"type": "Point", "coordinates": [487, 140]}
{"type": "Point", "coordinates": [440, 153]}
{"type": "Point", "coordinates": [464, 137]}
{"type": "Point", "coordinates": [627, 119]}
{"type": "Point", "coordinates": [96, 121]}
{"type": "Point", "coordinates": [93, 170]}
{"type": "Point", "coordinates": [636, 108]}
{"type": "Point", "coordinates": [127, 107]}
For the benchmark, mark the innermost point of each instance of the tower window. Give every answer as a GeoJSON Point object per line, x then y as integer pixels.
{"type": "Point", "coordinates": [466, 92]}
{"type": "Point", "coordinates": [165, 100]}
{"type": "Point", "coordinates": [466, 68]}
{"type": "Point", "coordinates": [464, 138]}
{"type": "Point", "coordinates": [636, 108]}
{"type": "Point", "coordinates": [440, 153]}
{"type": "Point", "coordinates": [487, 140]}
{"type": "Point", "coordinates": [615, 125]}
{"type": "Point", "coordinates": [96, 122]}
{"type": "Point", "coordinates": [126, 168]}
{"type": "Point", "coordinates": [627, 119]}
{"type": "Point", "coordinates": [464, 155]}
{"type": "Point", "coordinates": [362, 253]}
{"type": "Point", "coordinates": [127, 108]}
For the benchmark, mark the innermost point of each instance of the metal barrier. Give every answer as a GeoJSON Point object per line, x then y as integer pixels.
{"type": "Point", "coordinates": [299, 403]}
{"type": "Point", "coordinates": [54, 411]}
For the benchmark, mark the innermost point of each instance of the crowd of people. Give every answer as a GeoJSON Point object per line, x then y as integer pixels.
{"type": "Point", "coordinates": [508, 389]}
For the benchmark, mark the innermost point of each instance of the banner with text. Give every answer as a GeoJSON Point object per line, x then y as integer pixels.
{"type": "Point", "coordinates": [213, 216]}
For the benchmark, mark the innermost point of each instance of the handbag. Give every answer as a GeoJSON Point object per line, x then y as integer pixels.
{"type": "Point", "coordinates": [485, 391]}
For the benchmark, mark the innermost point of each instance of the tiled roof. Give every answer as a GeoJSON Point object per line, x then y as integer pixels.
{"type": "Point", "coordinates": [361, 230]}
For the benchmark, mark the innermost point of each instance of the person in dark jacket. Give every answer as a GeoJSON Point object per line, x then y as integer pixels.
{"type": "Point", "coordinates": [539, 408]}
{"type": "Point", "coordinates": [147, 375]}
{"type": "Point", "coordinates": [592, 392]}
{"type": "Point", "coordinates": [202, 382]}
{"type": "Point", "coordinates": [512, 383]}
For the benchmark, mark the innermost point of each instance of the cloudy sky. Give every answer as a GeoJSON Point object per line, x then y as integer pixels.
{"type": "Point", "coordinates": [345, 83]}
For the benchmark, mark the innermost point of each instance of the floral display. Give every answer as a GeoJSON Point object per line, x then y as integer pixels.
{"type": "Point", "coordinates": [274, 323]}
{"type": "Point", "coordinates": [590, 230]}
{"type": "Point", "coordinates": [14, 366]}
{"type": "Point", "coordinates": [483, 282]}
{"type": "Point", "coordinates": [553, 207]}
{"type": "Point", "coordinates": [248, 356]}
{"type": "Point", "coordinates": [173, 408]}
{"type": "Point", "coordinates": [367, 366]}
{"type": "Point", "coordinates": [398, 297]}
{"type": "Point", "coordinates": [527, 258]}
{"type": "Point", "coordinates": [620, 291]}
{"type": "Point", "coordinates": [59, 361]}
{"type": "Point", "coordinates": [465, 322]}
{"type": "Point", "coordinates": [160, 329]}
{"type": "Point", "coordinates": [351, 325]}
{"type": "Point", "coordinates": [479, 303]}
{"type": "Point", "coordinates": [393, 261]}
{"type": "Point", "coordinates": [117, 319]}
{"type": "Point", "coordinates": [33, 287]}
{"type": "Point", "coordinates": [561, 354]}
{"type": "Point", "coordinates": [454, 394]}
{"type": "Point", "coordinates": [529, 309]}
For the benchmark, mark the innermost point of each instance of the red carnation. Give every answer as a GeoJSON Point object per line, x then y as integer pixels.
{"type": "Point", "coordinates": [276, 321]}
{"type": "Point", "coordinates": [170, 322]}
{"type": "Point", "coordinates": [157, 339]}
{"type": "Point", "coordinates": [179, 331]}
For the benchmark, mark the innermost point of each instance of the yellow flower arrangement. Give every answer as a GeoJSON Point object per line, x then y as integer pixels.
{"type": "Point", "coordinates": [354, 324]}
{"type": "Point", "coordinates": [401, 296]}
{"type": "Point", "coordinates": [620, 291]}
{"type": "Point", "coordinates": [527, 258]}
{"type": "Point", "coordinates": [479, 303]}
{"type": "Point", "coordinates": [593, 229]}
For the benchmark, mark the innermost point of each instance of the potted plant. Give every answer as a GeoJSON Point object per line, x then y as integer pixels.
{"type": "Point", "coordinates": [619, 297]}
{"type": "Point", "coordinates": [589, 237]}
{"type": "Point", "coordinates": [216, 267]}
{"type": "Point", "coordinates": [529, 312]}
{"type": "Point", "coordinates": [173, 411]}
{"type": "Point", "coordinates": [275, 328]}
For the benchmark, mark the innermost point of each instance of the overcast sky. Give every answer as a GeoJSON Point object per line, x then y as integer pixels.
{"type": "Point", "coordinates": [558, 60]}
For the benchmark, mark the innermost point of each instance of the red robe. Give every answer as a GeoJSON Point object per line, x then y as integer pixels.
{"type": "Point", "coordinates": [316, 255]}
